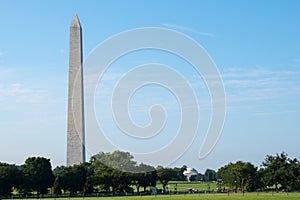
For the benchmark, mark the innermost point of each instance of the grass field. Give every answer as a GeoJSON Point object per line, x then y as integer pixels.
{"type": "Point", "coordinates": [238, 196]}
{"type": "Point", "coordinates": [184, 185]}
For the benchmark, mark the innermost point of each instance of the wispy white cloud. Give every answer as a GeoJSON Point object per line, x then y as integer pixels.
{"type": "Point", "coordinates": [277, 112]}
{"type": "Point", "coordinates": [255, 72]}
{"type": "Point", "coordinates": [246, 86]}
{"type": "Point", "coordinates": [185, 28]}
{"type": "Point", "coordinates": [18, 93]}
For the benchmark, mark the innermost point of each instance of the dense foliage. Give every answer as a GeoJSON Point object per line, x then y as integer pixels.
{"type": "Point", "coordinates": [108, 173]}
{"type": "Point", "coordinates": [37, 175]}
{"type": "Point", "coordinates": [10, 177]}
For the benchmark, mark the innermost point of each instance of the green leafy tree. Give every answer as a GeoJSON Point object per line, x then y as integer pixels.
{"type": "Point", "coordinates": [122, 181]}
{"type": "Point", "coordinates": [259, 183]}
{"type": "Point", "coordinates": [247, 177]}
{"type": "Point", "coordinates": [210, 175]}
{"type": "Point", "coordinates": [199, 177]}
{"type": "Point", "coordinates": [294, 181]}
{"type": "Point", "coordinates": [239, 175]}
{"type": "Point", "coordinates": [164, 175]}
{"type": "Point", "coordinates": [102, 175]}
{"type": "Point", "coordinates": [57, 170]}
{"type": "Point", "coordinates": [38, 175]}
{"type": "Point", "coordinates": [57, 185]}
{"type": "Point", "coordinates": [179, 173]}
{"type": "Point", "coordinates": [225, 173]}
{"type": "Point", "coordinates": [75, 178]}
{"type": "Point", "coordinates": [10, 176]}
{"type": "Point", "coordinates": [277, 170]}
{"type": "Point", "coordinates": [146, 176]}
{"type": "Point", "coordinates": [108, 177]}
{"type": "Point", "coordinates": [57, 189]}
{"type": "Point", "coordinates": [120, 160]}
{"type": "Point", "coordinates": [112, 170]}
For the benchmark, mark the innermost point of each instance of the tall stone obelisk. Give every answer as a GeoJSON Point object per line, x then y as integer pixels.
{"type": "Point", "coordinates": [75, 129]}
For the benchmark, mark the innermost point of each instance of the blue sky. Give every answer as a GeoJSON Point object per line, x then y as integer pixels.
{"type": "Point", "coordinates": [255, 46]}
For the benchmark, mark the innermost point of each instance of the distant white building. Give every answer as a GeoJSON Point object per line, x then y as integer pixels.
{"type": "Point", "coordinates": [189, 172]}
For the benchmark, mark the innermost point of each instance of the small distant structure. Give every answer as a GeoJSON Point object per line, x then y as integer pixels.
{"type": "Point", "coordinates": [189, 172]}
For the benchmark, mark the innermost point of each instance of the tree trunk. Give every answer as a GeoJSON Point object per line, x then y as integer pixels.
{"type": "Point", "coordinates": [164, 187]}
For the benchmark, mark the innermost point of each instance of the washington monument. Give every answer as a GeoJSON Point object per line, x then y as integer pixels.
{"type": "Point", "coordinates": [75, 129]}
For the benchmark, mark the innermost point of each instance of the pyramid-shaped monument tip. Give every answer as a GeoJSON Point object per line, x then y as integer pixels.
{"type": "Point", "coordinates": [75, 21]}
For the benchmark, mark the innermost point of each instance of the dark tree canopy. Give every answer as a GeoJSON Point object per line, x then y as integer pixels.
{"type": "Point", "coordinates": [74, 178]}
{"type": "Point", "coordinates": [281, 170]}
{"type": "Point", "coordinates": [10, 176]}
{"type": "Point", "coordinates": [109, 177]}
{"type": "Point", "coordinates": [179, 173]}
{"type": "Point", "coordinates": [37, 174]}
{"type": "Point", "coordinates": [122, 161]}
{"type": "Point", "coordinates": [239, 175]}
{"type": "Point", "coordinates": [164, 175]}
{"type": "Point", "coordinates": [210, 175]}
{"type": "Point", "coordinates": [146, 176]}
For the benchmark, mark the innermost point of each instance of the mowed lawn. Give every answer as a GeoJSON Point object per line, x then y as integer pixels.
{"type": "Point", "coordinates": [238, 196]}
{"type": "Point", "coordinates": [184, 186]}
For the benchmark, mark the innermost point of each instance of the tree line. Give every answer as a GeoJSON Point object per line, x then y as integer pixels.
{"type": "Point", "coordinates": [103, 174]}
{"type": "Point", "coordinates": [277, 172]}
